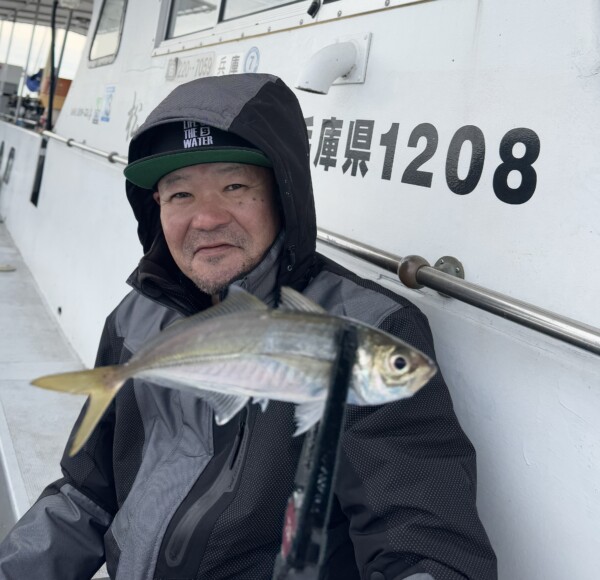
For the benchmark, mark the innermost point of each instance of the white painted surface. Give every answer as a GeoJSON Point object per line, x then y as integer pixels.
{"type": "Point", "coordinates": [35, 423]}
{"type": "Point", "coordinates": [529, 403]}
{"type": "Point", "coordinates": [80, 242]}
{"type": "Point", "coordinates": [531, 406]}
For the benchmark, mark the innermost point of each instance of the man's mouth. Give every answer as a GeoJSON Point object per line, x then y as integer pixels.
{"type": "Point", "coordinates": [212, 249]}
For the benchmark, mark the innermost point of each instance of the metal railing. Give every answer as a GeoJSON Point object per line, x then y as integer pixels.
{"type": "Point", "coordinates": [12, 119]}
{"type": "Point", "coordinates": [113, 157]}
{"type": "Point", "coordinates": [416, 272]}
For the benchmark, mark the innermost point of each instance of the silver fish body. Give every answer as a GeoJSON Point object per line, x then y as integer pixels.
{"type": "Point", "coordinates": [240, 350]}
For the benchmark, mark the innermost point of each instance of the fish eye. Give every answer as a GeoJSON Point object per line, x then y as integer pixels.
{"type": "Point", "coordinates": [398, 362]}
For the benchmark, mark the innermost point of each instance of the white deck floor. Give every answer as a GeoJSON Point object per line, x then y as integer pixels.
{"type": "Point", "coordinates": [34, 424]}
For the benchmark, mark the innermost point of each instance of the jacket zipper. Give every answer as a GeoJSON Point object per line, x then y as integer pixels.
{"type": "Point", "coordinates": [225, 482]}
{"type": "Point", "coordinates": [239, 438]}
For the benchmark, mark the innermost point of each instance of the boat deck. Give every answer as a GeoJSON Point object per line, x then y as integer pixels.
{"type": "Point", "coordinates": [34, 423]}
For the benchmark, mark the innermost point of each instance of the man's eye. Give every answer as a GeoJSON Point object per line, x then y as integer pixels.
{"type": "Point", "coordinates": [233, 187]}
{"type": "Point", "coordinates": [179, 195]}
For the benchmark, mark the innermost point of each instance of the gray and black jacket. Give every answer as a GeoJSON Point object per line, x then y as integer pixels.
{"type": "Point", "coordinates": [160, 492]}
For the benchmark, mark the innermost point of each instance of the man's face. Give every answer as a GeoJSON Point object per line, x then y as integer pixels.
{"type": "Point", "coordinates": [219, 219]}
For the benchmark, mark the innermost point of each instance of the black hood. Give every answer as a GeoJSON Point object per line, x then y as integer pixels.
{"type": "Point", "coordinates": [263, 110]}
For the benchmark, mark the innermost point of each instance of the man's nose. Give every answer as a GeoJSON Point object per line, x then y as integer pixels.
{"type": "Point", "coordinates": [210, 213]}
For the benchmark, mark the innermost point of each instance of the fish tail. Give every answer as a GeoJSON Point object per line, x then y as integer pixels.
{"type": "Point", "coordinates": [101, 384]}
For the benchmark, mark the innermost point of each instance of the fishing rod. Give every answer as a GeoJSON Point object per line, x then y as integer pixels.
{"type": "Point", "coordinates": [304, 543]}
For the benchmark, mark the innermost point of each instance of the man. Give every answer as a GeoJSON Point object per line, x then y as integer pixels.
{"type": "Point", "coordinates": [219, 182]}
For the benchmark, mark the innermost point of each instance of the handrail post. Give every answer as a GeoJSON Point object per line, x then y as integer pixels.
{"type": "Point", "coordinates": [22, 82]}
{"type": "Point", "coordinates": [5, 71]}
{"type": "Point", "coordinates": [64, 43]}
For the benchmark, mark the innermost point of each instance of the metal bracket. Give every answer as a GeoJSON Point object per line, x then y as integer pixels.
{"type": "Point", "coordinates": [410, 265]}
{"type": "Point", "coordinates": [451, 266]}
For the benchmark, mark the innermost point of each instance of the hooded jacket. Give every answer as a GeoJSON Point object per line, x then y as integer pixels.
{"type": "Point", "coordinates": [160, 492]}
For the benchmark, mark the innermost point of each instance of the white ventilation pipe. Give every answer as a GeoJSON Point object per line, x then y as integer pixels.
{"type": "Point", "coordinates": [325, 66]}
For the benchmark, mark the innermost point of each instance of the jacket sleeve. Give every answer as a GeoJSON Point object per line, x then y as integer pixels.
{"type": "Point", "coordinates": [61, 536]}
{"type": "Point", "coordinates": [407, 482]}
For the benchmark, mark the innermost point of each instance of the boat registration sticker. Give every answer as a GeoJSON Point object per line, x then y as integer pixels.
{"type": "Point", "coordinates": [194, 67]}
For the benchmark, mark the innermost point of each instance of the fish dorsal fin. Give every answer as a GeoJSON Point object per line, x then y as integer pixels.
{"type": "Point", "coordinates": [292, 300]}
{"type": "Point", "coordinates": [307, 414]}
{"type": "Point", "coordinates": [238, 300]}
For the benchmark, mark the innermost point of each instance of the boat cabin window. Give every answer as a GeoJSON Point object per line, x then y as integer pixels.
{"type": "Point", "coordinates": [189, 16]}
{"type": "Point", "coordinates": [108, 32]}
{"type": "Point", "coordinates": [184, 25]}
{"type": "Point", "coordinates": [238, 8]}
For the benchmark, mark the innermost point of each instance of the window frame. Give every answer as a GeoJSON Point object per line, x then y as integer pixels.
{"type": "Point", "coordinates": [221, 31]}
{"type": "Point", "coordinates": [166, 8]}
{"type": "Point", "coordinates": [108, 59]}
{"type": "Point", "coordinates": [223, 6]}
{"type": "Point", "coordinates": [266, 22]}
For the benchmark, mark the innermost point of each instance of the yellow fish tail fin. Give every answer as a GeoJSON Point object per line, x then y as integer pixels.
{"type": "Point", "coordinates": [101, 384]}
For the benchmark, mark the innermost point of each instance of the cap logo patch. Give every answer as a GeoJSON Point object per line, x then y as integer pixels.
{"type": "Point", "coordinates": [196, 135]}
{"type": "Point", "coordinates": [182, 143]}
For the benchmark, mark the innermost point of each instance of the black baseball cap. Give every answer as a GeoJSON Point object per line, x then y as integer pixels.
{"type": "Point", "coordinates": [183, 143]}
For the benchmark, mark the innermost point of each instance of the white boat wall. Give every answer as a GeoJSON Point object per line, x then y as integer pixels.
{"type": "Point", "coordinates": [469, 128]}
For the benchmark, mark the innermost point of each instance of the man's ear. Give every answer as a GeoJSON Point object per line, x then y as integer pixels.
{"type": "Point", "coordinates": [156, 197]}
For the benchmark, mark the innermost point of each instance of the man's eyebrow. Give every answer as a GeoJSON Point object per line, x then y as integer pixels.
{"type": "Point", "coordinates": [172, 178]}
{"type": "Point", "coordinates": [233, 168]}
{"type": "Point", "coordinates": [230, 169]}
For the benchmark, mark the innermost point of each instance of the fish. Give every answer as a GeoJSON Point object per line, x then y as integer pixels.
{"type": "Point", "coordinates": [241, 350]}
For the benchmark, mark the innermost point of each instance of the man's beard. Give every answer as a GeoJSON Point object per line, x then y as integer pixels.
{"type": "Point", "coordinates": [225, 237]}
{"type": "Point", "coordinates": [216, 287]}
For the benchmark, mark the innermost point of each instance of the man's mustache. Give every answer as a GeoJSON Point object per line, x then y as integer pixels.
{"type": "Point", "coordinates": [223, 236]}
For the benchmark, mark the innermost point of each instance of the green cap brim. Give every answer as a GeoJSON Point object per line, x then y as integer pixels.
{"type": "Point", "coordinates": [146, 172]}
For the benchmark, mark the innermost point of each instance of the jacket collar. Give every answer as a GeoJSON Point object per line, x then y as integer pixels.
{"type": "Point", "coordinates": [262, 280]}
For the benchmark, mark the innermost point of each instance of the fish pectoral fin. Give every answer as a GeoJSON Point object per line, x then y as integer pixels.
{"type": "Point", "coordinates": [263, 402]}
{"type": "Point", "coordinates": [224, 406]}
{"type": "Point", "coordinates": [306, 415]}
{"type": "Point", "coordinates": [293, 300]}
